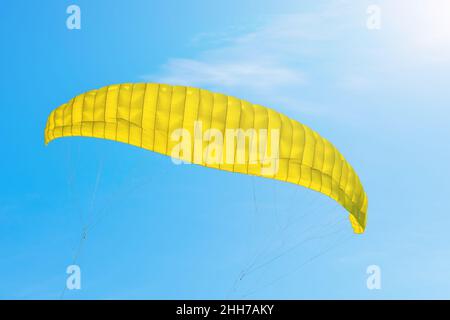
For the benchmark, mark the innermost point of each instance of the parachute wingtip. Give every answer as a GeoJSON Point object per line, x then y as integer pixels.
{"type": "Point", "coordinates": [358, 228]}
{"type": "Point", "coordinates": [46, 139]}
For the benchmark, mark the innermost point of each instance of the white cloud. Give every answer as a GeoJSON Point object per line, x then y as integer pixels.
{"type": "Point", "coordinates": [290, 61]}
{"type": "Point", "coordinates": [264, 63]}
{"type": "Point", "coordinates": [254, 75]}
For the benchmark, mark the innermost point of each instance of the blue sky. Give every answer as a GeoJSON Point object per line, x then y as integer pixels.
{"type": "Point", "coordinates": [165, 231]}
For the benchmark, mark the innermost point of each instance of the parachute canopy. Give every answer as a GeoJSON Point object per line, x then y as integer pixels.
{"type": "Point", "coordinates": [158, 116]}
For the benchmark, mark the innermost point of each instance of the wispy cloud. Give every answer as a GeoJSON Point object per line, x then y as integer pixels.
{"type": "Point", "coordinates": [265, 62]}
{"type": "Point", "coordinates": [326, 49]}
{"type": "Point", "coordinates": [258, 60]}
{"type": "Point", "coordinates": [254, 75]}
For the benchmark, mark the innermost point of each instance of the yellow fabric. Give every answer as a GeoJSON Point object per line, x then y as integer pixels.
{"type": "Point", "coordinates": [145, 115]}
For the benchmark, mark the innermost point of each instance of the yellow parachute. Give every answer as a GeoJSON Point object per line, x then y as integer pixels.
{"type": "Point", "coordinates": [148, 114]}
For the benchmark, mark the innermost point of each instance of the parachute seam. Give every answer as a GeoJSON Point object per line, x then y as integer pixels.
{"type": "Point", "coordinates": [313, 159]}
{"type": "Point", "coordinates": [71, 117]}
{"type": "Point", "coordinates": [55, 117]}
{"type": "Point", "coordinates": [335, 168]}
{"type": "Point", "coordinates": [303, 153]}
{"type": "Point", "coordinates": [326, 151]}
{"type": "Point", "coordinates": [168, 119]}
{"type": "Point", "coordinates": [332, 167]}
{"type": "Point", "coordinates": [340, 177]}
{"type": "Point", "coordinates": [210, 125]}
{"type": "Point", "coordinates": [184, 112]}
{"type": "Point", "coordinates": [54, 123]}
{"type": "Point", "coordinates": [361, 196]}
{"type": "Point", "coordinates": [93, 111]}
{"type": "Point", "coordinates": [252, 137]}
{"type": "Point", "coordinates": [358, 192]}
{"type": "Point", "coordinates": [267, 138]}
{"type": "Point", "coordinates": [117, 110]}
{"type": "Point", "coordinates": [281, 134]}
{"type": "Point", "coordinates": [239, 126]}
{"type": "Point", "coordinates": [104, 111]}
{"type": "Point", "coordinates": [142, 115]}
{"type": "Point", "coordinates": [199, 103]}
{"type": "Point", "coordinates": [290, 149]}
{"type": "Point", "coordinates": [342, 181]}
{"type": "Point", "coordinates": [225, 126]}
{"type": "Point", "coordinates": [323, 161]}
{"type": "Point", "coordinates": [129, 112]}
{"type": "Point", "coordinates": [82, 114]}
{"type": "Point", "coordinates": [184, 107]}
{"type": "Point", "coordinates": [64, 117]}
{"type": "Point", "coordinates": [350, 184]}
{"type": "Point", "coordinates": [156, 114]}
